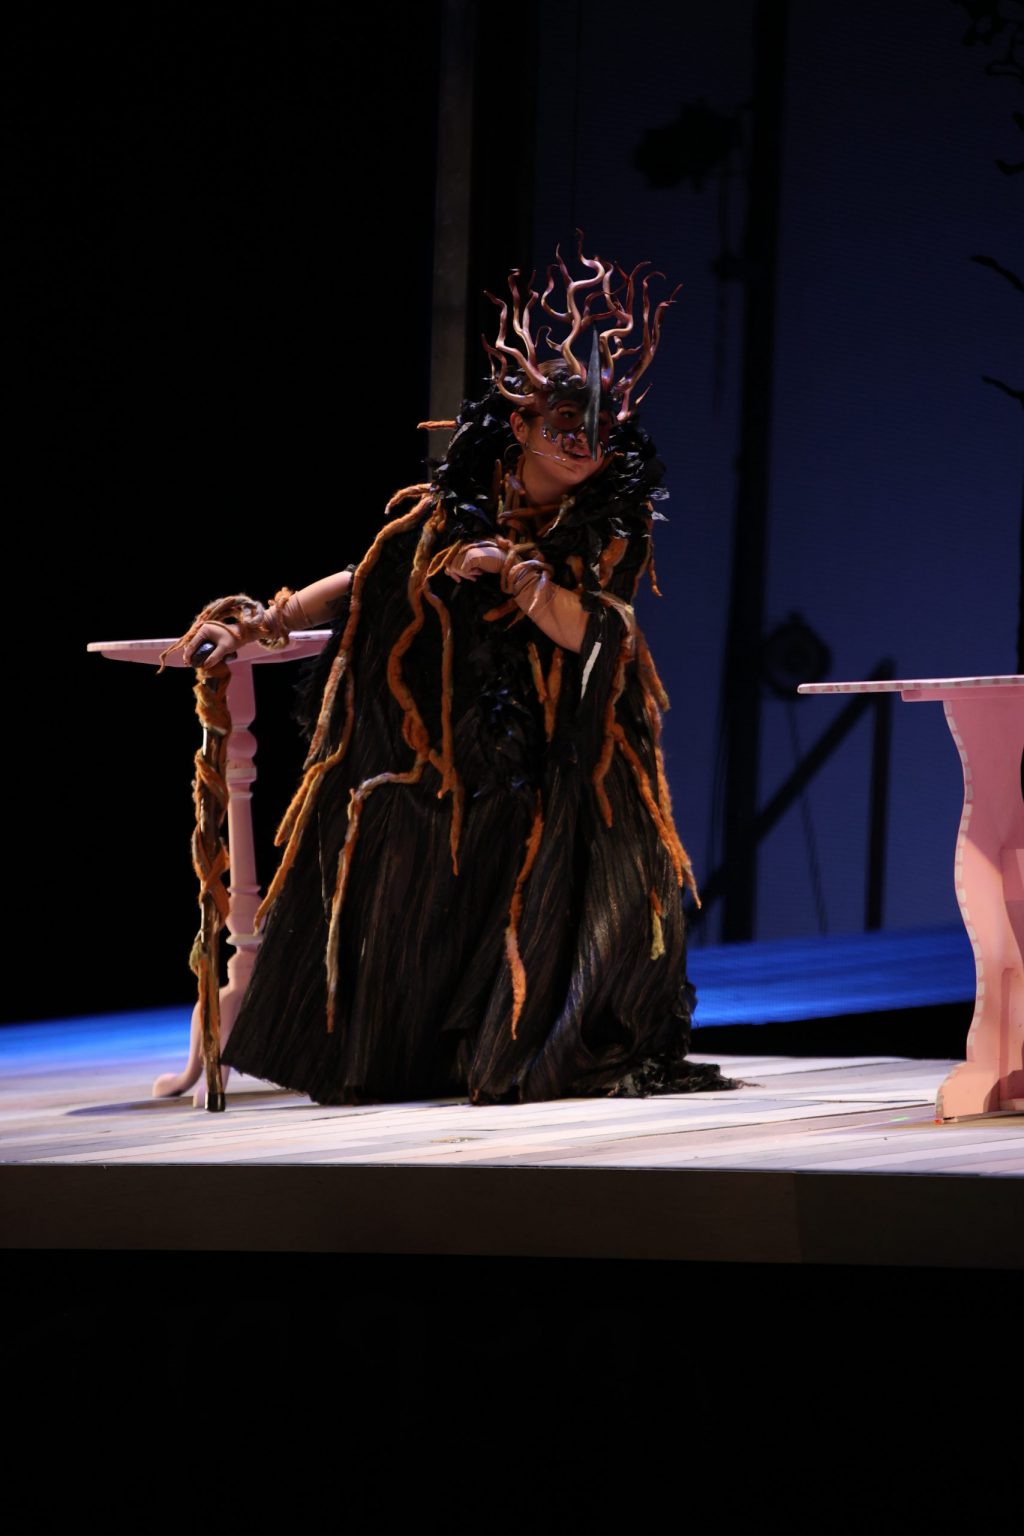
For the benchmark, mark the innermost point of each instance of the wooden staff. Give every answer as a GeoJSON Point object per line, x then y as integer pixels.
{"type": "Point", "coordinates": [210, 861]}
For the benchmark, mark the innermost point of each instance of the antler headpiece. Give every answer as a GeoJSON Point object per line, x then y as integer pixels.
{"type": "Point", "coordinates": [609, 294]}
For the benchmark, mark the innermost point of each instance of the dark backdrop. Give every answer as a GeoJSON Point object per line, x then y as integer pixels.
{"type": "Point", "coordinates": [221, 322]}
{"type": "Point", "coordinates": [223, 345]}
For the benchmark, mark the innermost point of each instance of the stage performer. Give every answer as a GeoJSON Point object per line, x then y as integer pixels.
{"type": "Point", "coordinates": [481, 886]}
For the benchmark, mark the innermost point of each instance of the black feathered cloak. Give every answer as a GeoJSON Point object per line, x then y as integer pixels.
{"type": "Point", "coordinates": [553, 962]}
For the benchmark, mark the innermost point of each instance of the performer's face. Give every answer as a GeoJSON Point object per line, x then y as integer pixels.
{"type": "Point", "coordinates": [555, 435]}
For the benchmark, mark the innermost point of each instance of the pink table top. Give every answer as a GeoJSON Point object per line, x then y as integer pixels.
{"type": "Point", "coordinates": [302, 642]}
{"type": "Point", "coordinates": [915, 687]}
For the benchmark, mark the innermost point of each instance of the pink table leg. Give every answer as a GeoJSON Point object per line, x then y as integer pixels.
{"type": "Point", "coordinates": [241, 773]}
{"type": "Point", "coordinates": [243, 889]}
{"type": "Point", "coordinates": [989, 874]}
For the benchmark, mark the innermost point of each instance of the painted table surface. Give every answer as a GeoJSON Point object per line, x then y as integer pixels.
{"type": "Point", "coordinates": [985, 716]}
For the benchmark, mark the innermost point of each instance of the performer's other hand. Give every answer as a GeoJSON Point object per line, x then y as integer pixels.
{"type": "Point", "coordinates": [469, 562]}
{"type": "Point", "coordinates": [222, 637]}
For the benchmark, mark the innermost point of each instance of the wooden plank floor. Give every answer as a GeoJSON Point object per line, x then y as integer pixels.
{"type": "Point", "coordinates": [819, 1161]}
{"type": "Point", "coordinates": [826, 1114]}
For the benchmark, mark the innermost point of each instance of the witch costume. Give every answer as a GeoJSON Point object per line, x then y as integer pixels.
{"type": "Point", "coordinates": [481, 889]}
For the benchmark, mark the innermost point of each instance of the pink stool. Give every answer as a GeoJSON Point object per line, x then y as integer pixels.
{"type": "Point", "coordinates": [986, 718]}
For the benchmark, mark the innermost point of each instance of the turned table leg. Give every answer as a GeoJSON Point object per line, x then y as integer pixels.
{"type": "Point", "coordinates": [989, 875]}
{"type": "Point", "coordinates": [243, 889]}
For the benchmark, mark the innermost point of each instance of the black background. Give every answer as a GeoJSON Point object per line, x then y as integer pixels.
{"type": "Point", "coordinates": [225, 223]}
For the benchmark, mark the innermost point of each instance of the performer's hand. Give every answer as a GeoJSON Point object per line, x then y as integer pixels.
{"type": "Point", "coordinates": [469, 562]}
{"type": "Point", "coordinates": [222, 637]}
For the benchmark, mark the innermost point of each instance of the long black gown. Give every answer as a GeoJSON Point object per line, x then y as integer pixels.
{"type": "Point", "coordinates": [425, 992]}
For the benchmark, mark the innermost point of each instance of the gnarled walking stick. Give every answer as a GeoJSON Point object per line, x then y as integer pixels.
{"type": "Point", "coordinates": [210, 861]}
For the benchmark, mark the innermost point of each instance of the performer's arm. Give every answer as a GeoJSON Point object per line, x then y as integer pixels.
{"type": "Point", "coordinates": [554, 609]}
{"type": "Point", "coordinates": [306, 609]}
{"type": "Point", "coordinates": [316, 604]}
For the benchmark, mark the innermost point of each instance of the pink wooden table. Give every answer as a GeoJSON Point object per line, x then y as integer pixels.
{"type": "Point", "coordinates": [986, 718]}
{"type": "Point", "coordinates": [243, 888]}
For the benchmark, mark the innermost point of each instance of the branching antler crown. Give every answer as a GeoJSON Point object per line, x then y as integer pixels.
{"type": "Point", "coordinates": [582, 313]}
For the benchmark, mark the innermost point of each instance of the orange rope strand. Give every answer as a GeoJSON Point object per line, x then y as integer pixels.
{"type": "Point", "coordinates": [302, 805]}
{"type": "Point", "coordinates": [608, 744]}
{"type": "Point", "coordinates": [665, 799]}
{"type": "Point", "coordinates": [554, 689]}
{"type": "Point", "coordinates": [503, 608]}
{"type": "Point", "coordinates": [515, 959]}
{"type": "Point", "coordinates": [656, 700]}
{"type": "Point", "coordinates": [296, 817]}
{"type": "Point", "coordinates": [538, 672]}
{"type": "Point", "coordinates": [614, 735]}
{"type": "Point", "coordinates": [414, 732]}
{"type": "Point", "coordinates": [210, 860]}
{"type": "Point", "coordinates": [363, 569]}
{"type": "Point", "coordinates": [209, 788]}
{"type": "Point", "coordinates": [610, 557]}
{"type": "Point", "coordinates": [444, 557]}
{"type": "Point", "coordinates": [649, 673]}
{"type": "Point", "coordinates": [315, 770]}
{"type": "Point", "coordinates": [652, 574]}
{"type": "Point", "coordinates": [671, 843]}
{"type": "Point", "coordinates": [357, 800]}
{"type": "Point", "coordinates": [450, 782]}
{"type": "Point", "coordinates": [657, 932]}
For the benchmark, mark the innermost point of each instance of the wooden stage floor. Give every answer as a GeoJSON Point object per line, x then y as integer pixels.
{"type": "Point", "coordinates": [828, 1161]}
